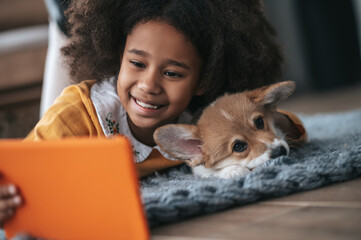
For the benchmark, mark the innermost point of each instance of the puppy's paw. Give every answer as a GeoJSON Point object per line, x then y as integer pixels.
{"type": "Point", "coordinates": [233, 171]}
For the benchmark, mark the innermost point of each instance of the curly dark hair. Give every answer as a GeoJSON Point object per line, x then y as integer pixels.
{"type": "Point", "coordinates": [233, 38]}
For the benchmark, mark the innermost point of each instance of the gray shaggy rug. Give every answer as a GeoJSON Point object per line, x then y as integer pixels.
{"type": "Point", "coordinates": [333, 154]}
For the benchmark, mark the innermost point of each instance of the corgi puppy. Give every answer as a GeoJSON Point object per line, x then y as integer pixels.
{"type": "Point", "coordinates": [234, 134]}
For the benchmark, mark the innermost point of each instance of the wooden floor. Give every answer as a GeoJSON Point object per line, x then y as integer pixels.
{"type": "Point", "coordinates": [331, 212]}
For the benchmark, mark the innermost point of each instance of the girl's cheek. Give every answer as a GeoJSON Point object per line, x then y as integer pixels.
{"type": "Point", "coordinates": [123, 78]}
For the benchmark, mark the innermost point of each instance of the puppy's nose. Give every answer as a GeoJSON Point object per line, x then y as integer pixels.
{"type": "Point", "coordinates": [278, 151]}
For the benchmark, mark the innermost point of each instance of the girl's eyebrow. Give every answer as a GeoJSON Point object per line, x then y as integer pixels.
{"type": "Point", "coordinates": [169, 61]}
{"type": "Point", "coordinates": [139, 52]}
{"type": "Point", "coordinates": [178, 64]}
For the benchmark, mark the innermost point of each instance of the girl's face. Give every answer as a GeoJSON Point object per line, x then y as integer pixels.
{"type": "Point", "coordinates": [159, 75]}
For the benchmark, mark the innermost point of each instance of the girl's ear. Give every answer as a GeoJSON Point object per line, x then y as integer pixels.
{"type": "Point", "coordinates": [180, 141]}
{"type": "Point", "coordinates": [273, 94]}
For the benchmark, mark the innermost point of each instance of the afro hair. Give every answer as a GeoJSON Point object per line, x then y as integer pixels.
{"type": "Point", "coordinates": [232, 37]}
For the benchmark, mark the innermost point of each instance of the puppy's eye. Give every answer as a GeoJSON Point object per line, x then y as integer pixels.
{"type": "Point", "coordinates": [239, 146]}
{"type": "Point", "coordinates": [259, 123]}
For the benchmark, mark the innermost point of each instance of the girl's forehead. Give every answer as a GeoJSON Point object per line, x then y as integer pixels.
{"type": "Point", "coordinates": [158, 37]}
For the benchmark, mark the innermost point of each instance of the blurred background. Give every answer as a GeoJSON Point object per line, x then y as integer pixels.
{"type": "Point", "coordinates": [320, 39]}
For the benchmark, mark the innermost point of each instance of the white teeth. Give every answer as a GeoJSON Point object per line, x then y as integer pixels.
{"type": "Point", "coordinates": [146, 105]}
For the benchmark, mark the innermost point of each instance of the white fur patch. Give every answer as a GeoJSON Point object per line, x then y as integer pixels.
{"type": "Point", "coordinates": [226, 115]}
{"type": "Point", "coordinates": [280, 142]}
{"type": "Point", "coordinates": [227, 172]}
{"type": "Point", "coordinates": [279, 132]}
{"type": "Point", "coordinates": [233, 171]}
{"type": "Point", "coordinates": [259, 160]}
{"type": "Point", "coordinates": [267, 154]}
{"type": "Point", "coordinates": [229, 162]}
{"type": "Point", "coordinates": [276, 130]}
{"type": "Point", "coordinates": [226, 168]}
{"type": "Point", "coordinates": [202, 171]}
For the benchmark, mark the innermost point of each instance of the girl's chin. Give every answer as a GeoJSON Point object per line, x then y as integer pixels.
{"type": "Point", "coordinates": [144, 123]}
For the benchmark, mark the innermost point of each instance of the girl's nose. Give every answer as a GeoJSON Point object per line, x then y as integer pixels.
{"type": "Point", "coordinates": [150, 83]}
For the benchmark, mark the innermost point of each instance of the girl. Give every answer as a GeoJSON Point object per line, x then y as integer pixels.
{"type": "Point", "coordinates": [154, 63]}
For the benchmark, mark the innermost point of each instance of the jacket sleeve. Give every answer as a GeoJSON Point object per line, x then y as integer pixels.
{"type": "Point", "coordinates": [72, 114]}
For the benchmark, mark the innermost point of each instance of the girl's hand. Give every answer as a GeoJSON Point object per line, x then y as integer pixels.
{"type": "Point", "coordinates": [9, 201]}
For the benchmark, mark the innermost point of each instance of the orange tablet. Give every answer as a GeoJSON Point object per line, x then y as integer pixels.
{"type": "Point", "coordinates": [74, 189]}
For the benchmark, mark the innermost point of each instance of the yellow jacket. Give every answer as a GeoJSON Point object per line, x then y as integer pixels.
{"type": "Point", "coordinates": [73, 114]}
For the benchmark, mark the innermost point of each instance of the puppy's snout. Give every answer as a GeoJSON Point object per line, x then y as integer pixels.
{"type": "Point", "coordinates": [278, 151]}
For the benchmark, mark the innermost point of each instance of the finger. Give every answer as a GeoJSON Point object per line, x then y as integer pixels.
{"type": "Point", "coordinates": [7, 190]}
{"type": "Point", "coordinates": [26, 236]}
{"type": "Point", "coordinates": [6, 204]}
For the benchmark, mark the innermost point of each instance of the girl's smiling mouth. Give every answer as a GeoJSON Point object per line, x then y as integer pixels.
{"type": "Point", "coordinates": [146, 105]}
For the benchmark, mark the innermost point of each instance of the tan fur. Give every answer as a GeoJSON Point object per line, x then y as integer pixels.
{"type": "Point", "coordinates": [229, 118]}
{"type": "Point", "coordinates": [218, 134]}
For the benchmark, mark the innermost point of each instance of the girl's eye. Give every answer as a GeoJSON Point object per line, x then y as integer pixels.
{"type": "Point", "coordinates": [172, 74]}
{"type": "Point", "coordinates": [239, 146]}
{"type": "Point", "coordinates": [137, 64]}
{"type": "Point", "coordinates": [258, 122]}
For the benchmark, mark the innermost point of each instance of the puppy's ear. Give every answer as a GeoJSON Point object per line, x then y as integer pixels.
{"type": "Point", "coordinates": [272, 94]}
{"type": "Point", "coordinates": [180, 141]}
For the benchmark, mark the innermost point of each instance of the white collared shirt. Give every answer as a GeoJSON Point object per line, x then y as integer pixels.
{"type": "Point", "coordinates": [113, 117]}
